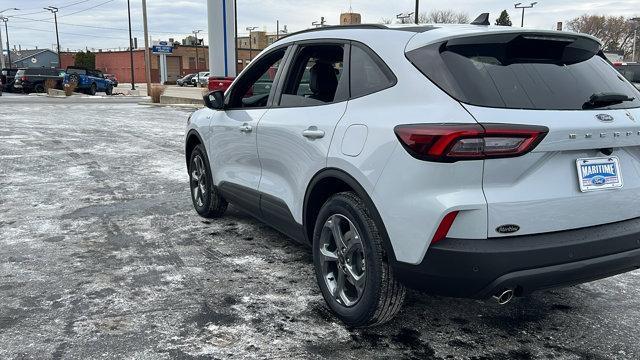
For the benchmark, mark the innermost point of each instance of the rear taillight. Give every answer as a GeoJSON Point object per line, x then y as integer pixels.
{"type": "Point", "coordinates": [24, 78]}
{"type": "Point", "coordinates": [455, 142]}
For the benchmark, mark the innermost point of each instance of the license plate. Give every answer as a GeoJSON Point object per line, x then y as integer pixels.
{"type": "Point", "coordinates": [599, 173]}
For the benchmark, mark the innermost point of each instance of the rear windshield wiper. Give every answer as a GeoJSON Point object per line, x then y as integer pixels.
{"type": "Point", "coordinates": [605, 99]}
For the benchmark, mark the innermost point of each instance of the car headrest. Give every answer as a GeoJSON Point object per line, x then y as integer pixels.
{"type": "Point", "coordinates": [323, 81]}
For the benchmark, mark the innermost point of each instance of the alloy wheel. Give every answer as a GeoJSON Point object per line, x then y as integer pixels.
{"type": "Point", "coordinates": [198, 180]}
{"type": "Point", "coordinates": [343, 260]}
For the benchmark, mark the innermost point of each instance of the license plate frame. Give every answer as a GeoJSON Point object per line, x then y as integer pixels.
{"type": "Point", "coordinates": [599, 173]}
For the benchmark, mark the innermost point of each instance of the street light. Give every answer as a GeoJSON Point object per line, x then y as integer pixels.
{"type": "Point", "coordinates": [523, 7]}
{"type": "Point", "coordinates": [2, 64]}
{"type": "Point", "coordinates": [417, 13]}
{"type": "Point", "coordinates": [54, 11]}
{"type": "Point", "coordinates": [195, 33]}
{"type": "Point", "coordinates": [250, 29]}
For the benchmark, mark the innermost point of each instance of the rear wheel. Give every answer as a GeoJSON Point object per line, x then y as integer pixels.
{"type": "Point", "coordinates": [206, 198]}
{"type": "Point", "coordinates": [351, 265]}
{"type": "Point", "coordinates": [39, 88]}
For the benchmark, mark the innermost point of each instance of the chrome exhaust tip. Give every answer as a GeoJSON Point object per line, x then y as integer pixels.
{"type": "Point", "coordinates": [503, 297]}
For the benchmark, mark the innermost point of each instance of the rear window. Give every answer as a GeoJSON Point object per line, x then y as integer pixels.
{"type": "Point", "coordinates": [19, 73]}
{"type": "Point", "coordinates": [522, 71]}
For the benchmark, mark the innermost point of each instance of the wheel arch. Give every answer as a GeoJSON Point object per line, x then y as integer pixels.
{"type": "Point", "coordinates": [193, 139]}
{"type": "Point", "coordinates": [328, 182]}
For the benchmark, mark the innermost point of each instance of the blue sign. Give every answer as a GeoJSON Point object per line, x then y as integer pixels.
{"type": "Point", "coordinates": [162, 49]}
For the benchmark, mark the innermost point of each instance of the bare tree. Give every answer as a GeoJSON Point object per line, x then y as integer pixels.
{"type": "Point", "coordinates": [616, 32]}
{"type": "Point", "coordinates": [444, 17]}
{"type": "Point", "coordinates": [386, 21]}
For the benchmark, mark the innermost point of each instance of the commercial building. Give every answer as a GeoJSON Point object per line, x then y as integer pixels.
{"type": "Point", "coordinates": [33, 58]}
{"type": "Point", "coordinates": [350, 18]}
{"type": "Point", "coordinates": [180, 63]}
{"type": "Point", "coordinates": [249, 48]}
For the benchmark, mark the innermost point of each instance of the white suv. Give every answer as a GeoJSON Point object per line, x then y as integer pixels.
{"type": "Point", "coordinates": [467, 161]}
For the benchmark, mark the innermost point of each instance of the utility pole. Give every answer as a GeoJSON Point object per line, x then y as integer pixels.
{"type": "Point", "coordinates": [250, 29]}
{"type": "Point", "coordinates": [54, 11]}
{"type": "Point", "coordinates": [523, 7]}
{"type": "Point", "coordinates": [635, 39]}
{"type": "Point", "coordinates": [133, 83]}
{"type": "Point", "coordinates": [2, 64]}
{"type": "Point", "coordinates": [147, 53]}
{"type": "Point", "coordinates": [6, 32]}
{"type": "Point", "coordinates": [417, 13]}
{"type": "Point", "coordinates": [195, 33]}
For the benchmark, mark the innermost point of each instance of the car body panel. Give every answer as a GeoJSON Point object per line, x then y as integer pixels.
{"type": "Point", "coordinates": [289, 160]}
{"type": "Point", "coordinates": [545, 181]}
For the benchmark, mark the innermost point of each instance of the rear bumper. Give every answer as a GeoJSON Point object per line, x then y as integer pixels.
{"type": "Point", "coordinates": [480, 268]}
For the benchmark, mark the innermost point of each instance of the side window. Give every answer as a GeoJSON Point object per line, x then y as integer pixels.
{"type": "Point", "coordinates": [369, 74]}
{"type": "Point", "coordinates": [253, 88]}
{"type": "Point", "coordinates": [315, 76]}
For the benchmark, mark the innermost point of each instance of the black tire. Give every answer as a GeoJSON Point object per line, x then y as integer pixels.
{"type": "Point", "coordinates": [109, 90]}
{"type": "Point", "coordinates": [208, 203]}
{"type": "Point", "coordinates": [39, 88]}
{"type": "Point", "coordinates": [383, 295]}
{"type": "Point", "coordinates": [93, 89]}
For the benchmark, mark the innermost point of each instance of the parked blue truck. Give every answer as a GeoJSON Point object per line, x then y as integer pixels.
{"type": "Point", "coordinates": [87, 81]}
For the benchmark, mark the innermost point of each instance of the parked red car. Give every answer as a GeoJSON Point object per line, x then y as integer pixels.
{"type": "Point", "coordinates": [220, 83]}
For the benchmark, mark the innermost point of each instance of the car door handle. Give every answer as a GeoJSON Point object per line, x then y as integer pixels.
{"type": "Point", "coordinates": [313, 133]}
{"type": "Point", "coordinates": [246, 128]}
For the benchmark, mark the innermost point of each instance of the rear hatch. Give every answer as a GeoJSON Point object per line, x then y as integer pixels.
{"type": "Point", "coordinates": [586, 170]}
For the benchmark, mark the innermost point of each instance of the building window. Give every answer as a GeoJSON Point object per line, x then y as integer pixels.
{"type": "Point", "coordinates": [192, 63]}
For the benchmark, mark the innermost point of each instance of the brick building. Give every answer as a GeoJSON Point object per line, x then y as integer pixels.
{"type": "Point", "coordinates": [179, 64]}
{"type": "Point", "coordinates": [260, 40]}
{"type": "Point", "coordinates": [350, 18]}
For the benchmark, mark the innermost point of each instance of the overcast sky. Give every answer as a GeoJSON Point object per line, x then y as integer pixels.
{"type": "Point", "coordinates": [103, 23]}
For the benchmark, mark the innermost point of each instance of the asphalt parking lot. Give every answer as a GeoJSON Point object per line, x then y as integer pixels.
{"type": "Point", "coordinates": [102, 256]}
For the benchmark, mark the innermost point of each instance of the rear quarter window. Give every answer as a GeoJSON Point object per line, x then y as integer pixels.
{"type": "Point", "coordinates": [369, 74]}
{"type": "Point", "coordinates": [522, 73]}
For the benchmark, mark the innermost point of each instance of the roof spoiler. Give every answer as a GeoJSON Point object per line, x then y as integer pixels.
{"type": "Point", "coordinates": [482, 20]}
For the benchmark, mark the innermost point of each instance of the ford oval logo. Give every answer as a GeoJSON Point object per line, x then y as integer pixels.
{"type": "Point", "coordinates": [508, 229]}
{"type": "Point", "coordinates": [598, 180]}
{"type": "Point", "coordinates": [604, 117]}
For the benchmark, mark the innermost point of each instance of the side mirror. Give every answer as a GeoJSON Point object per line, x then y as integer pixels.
{"type": "Point", "coordinates": [214, 100]}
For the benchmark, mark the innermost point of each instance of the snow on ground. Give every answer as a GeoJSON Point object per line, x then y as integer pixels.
{"type": "Point", "coordinates": [102, 256]}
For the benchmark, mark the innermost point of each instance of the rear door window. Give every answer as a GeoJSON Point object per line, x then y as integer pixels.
{"type": "Point", "coordinates": [316, 76]}
{"type": "Point", "coordinates": [520, 71]}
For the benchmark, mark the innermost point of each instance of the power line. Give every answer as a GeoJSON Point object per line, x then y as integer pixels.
{"type": "Point", "coordinates": [89, 8]}
{"type": "Point", "coordinates": [66, 33]}
{"type": "Point", "coordinates": [44, 11]}
{"type": "Point", "coordinates": [73, 4]}
{"type": "Point", "coordinates": [89, 26]}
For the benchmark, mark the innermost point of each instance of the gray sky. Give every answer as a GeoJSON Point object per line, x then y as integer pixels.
{"type": "Point", "coordinates": [105, 26]}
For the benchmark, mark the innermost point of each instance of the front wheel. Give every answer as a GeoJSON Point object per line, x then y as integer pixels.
{"type": "Point", "coordinates": [93, 89]}
{"type": "Point", "coordinates": [109, 90]}
{"type": "Point", "coordinates": [351, 265]}
{"type": "Point", "coordinates": [206, 197]}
